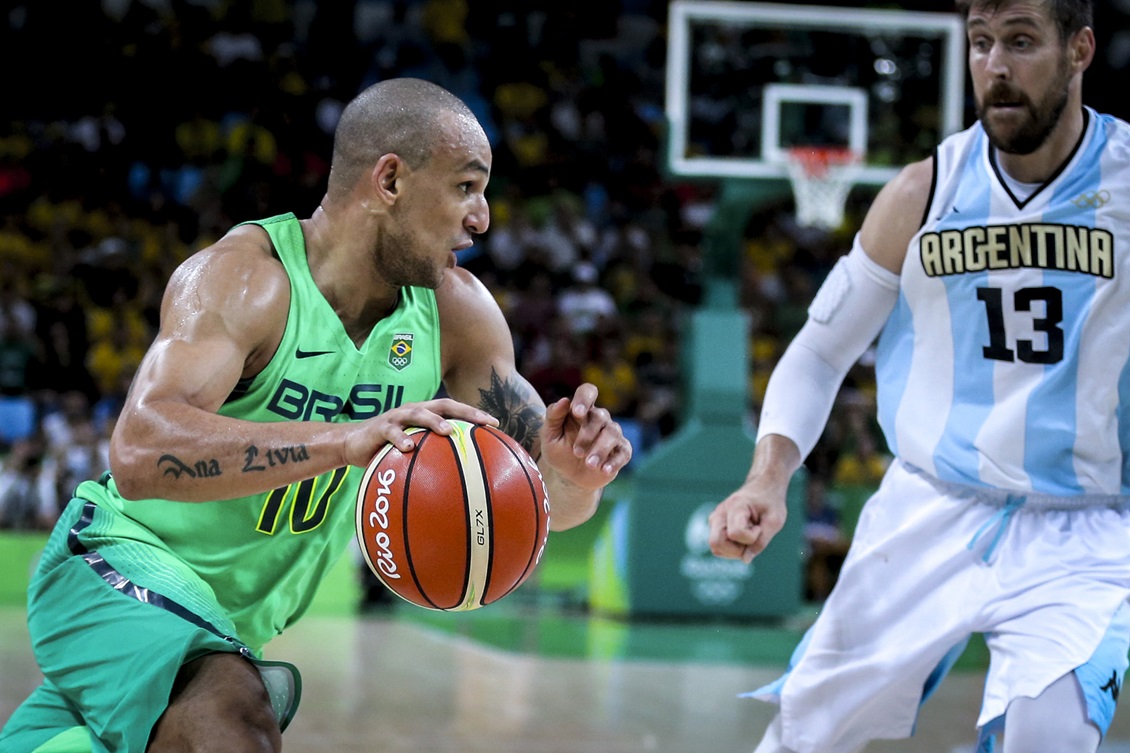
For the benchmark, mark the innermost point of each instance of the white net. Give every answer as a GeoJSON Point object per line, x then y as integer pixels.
{"type": "Point", "coordinates": [821, 179]}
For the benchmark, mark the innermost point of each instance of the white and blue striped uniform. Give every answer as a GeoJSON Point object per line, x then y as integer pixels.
{"type": "Point", "coordinates": [1006, 362]}
{"type": "Point", "coordinates": [1004, 393]}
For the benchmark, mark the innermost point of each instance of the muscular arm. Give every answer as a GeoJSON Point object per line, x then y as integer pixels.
{"type": "Point", "coordinates": [222, 317]}
{"type": "Point", "coordinates": [224, 310]}
{"type": "Point", "coordinates": [578, 448]}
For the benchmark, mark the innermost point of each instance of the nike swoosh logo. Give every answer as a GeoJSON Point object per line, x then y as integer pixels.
{"type": "Point", "coordinates": [300, 353]}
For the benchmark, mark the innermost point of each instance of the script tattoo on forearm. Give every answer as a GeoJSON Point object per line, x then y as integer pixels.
{"type": "Point", "coordinates": [256, 459]}
{"type": "Point", "coordinates": [175, 467]}
{"type": "Point", "coordinates": [516, 416]}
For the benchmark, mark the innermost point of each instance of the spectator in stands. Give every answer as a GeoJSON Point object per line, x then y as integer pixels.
{"type": "Point", "coordinates": [560, 374]}
{"type": "Point", "coordinates": [566, 235]}
{"type": "Point", "coordinates": [15, 309]}
{"type": "Point", "coordinates": [584, 305]}
{"type": "Point", "coordinates": [64, 423]}
{"type": "Point", "coordinates": [535, 309]}
{"type": "Point", "coordinates": [659, 377]}
{"type": "Point", "coordinates": [82, 457]}
{"type": "Point", "coordinates": [824, 539]}
{"type": "Point", "coordinates": [18, 352]}
{"type": "Point", "coordinates": [27, 494]}
{"type": "Point", "coordinates": [614, 376]}
{"type": "Point", "coordinates": [511, 236]}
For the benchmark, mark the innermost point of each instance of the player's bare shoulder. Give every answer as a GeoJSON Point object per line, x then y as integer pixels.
{"type": "Point", "coordinates": [237, 283]}
{"type": "Point", "coordinates": [897, 213]}
{"type": "Point", "coordinates": [239, 268]}
{"type": "Point", "coordinates": [470, 319]}
{"type": "Point", "coordinates": [464, 301]}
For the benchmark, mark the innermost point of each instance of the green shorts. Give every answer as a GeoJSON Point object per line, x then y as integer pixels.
{"type": "Point", "coordinates": [110, 651]}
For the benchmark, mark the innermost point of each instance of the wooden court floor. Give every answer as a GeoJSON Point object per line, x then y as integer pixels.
{"type": "Point", "coordinates": [391, 683]}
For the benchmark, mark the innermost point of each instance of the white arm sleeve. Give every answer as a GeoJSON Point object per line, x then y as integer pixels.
{"type": "Point", "coordinates": [846, 315]}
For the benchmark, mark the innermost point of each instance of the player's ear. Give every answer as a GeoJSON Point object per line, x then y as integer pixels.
{"type": "Point", "coordinates": [1081, 49]}
{"type": "Point", "coordinates": [386, 177]}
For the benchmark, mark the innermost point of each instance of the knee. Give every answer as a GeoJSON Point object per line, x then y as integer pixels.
{"type": "Point", "coordinates": [250, 720]}
{"type": "Point", "coordinates": [219, 704]}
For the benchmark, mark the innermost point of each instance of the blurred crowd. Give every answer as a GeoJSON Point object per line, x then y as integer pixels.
{"type": "Point", "coordinates": [168, 121]}
{"type": "Point", "coordinates": [150, 127]}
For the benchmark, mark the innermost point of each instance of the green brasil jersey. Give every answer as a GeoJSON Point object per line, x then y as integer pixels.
{"type": "Point", "coordinates": [260, 558]}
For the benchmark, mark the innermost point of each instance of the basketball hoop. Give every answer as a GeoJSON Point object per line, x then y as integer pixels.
{"type": "Point", "coordinates": [822, 178]}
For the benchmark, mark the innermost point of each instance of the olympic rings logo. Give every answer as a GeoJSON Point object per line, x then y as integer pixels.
{"type": "Point", "coordinates": [1091, 199]}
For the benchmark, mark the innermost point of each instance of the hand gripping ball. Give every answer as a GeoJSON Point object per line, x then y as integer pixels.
{"type": "Point", "coordinates": [458, 522]}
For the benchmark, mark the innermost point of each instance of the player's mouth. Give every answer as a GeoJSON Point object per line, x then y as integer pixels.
{"type": "Point", "coordinates": [453, 260]}
{"type": "Point", "coordinates": [1005, 99]}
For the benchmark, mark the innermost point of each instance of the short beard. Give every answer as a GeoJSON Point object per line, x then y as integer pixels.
{"type": "Point", "coordinates": [397, 263]}
{"type": "Point", "coordinates": [1043, 119]}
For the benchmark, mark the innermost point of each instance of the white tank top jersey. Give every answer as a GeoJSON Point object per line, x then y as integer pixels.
{"type": "Point", "coordinates": [1006, 361]}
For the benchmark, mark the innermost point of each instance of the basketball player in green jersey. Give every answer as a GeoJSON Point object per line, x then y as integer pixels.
{"type": "Point", "coordinates": [289, 353]}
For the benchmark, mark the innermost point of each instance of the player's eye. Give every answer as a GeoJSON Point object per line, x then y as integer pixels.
{"type": "Point", "coordinates": [981, 44]}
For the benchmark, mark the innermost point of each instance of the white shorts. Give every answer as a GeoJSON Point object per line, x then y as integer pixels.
{"type": "Point", "coordinates": [932, 563]}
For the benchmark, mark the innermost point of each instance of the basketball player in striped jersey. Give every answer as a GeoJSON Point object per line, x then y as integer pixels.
{"type": "Point", "coordinates": [996, 275]}
{"type": "Point", "coordinates": [289, 353]}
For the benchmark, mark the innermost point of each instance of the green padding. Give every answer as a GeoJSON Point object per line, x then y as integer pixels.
{"type": "Point", "coordinates": [74, 740]}
{"type": "Point", "coordinates": [19, 553]}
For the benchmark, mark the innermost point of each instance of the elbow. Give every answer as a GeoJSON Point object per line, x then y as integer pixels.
{"type": "Point", "coordinates": [125, 463]}
{"type": "Point", "coordinates": [126, 488]}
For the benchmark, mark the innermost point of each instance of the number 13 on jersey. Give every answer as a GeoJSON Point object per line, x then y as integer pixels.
{"type": "Point", "coordinates": [1045, 305]}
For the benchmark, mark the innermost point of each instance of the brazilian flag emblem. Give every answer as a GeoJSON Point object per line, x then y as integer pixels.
{"type": "Point", "coordinates": [400, 354]}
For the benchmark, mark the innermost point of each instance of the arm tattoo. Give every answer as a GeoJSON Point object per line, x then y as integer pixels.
{"type": "Point", "coordinates": [256, 459]}
{"type": "Point", "coordinates": [175, 467]}
{"type": "Point", "coordinates": [516, 415]}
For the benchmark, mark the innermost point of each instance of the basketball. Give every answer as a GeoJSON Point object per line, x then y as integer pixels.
{"type": "Point", "coordinates": [458, 522]}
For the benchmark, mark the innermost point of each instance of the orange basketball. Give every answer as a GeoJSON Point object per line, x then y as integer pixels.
{"type": "Point", "coordinates": [458, 522]}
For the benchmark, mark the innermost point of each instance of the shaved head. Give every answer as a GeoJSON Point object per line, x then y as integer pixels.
{"type": "Point", "coordinates": [402, 116]}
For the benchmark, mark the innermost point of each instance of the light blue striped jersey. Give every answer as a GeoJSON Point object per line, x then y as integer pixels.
{"type": "Point", "coordinates": [1006, 361]}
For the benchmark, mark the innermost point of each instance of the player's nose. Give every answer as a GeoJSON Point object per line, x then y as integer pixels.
{"type": "Point", "coordinates": [478, 219]}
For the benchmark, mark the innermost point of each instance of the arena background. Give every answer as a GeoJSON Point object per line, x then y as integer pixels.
{"type": "Point", "coordinates": [136, 132]}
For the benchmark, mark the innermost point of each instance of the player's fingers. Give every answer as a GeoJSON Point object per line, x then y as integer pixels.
{"type": "Point", "coordinates": [740, 525]}
{"type": "Point", "coordinates": [620, 456]}
{"type": "Point", "coordinates": [583, 400]}
{"type": "Point", "coordinates": [596, 421]}
{"type": "Point", "coordinates": [722, 545]}
{"type": "Point", "coordinates": [598, 434]}
{"type": "Point", "coordinates": [737, 530]}
{"type": "Point", "coordinates": [446, 407]}
{"type": "Point", "coordinates": [609, 451]}
{"type": "Point", "coordinates": [761, 532]}
{"type": "Point", "coordinates": [555, 417]}
{"type": "Point", "coordinates": [728, 550]}
{"type": "Point", "coordinates": [392, 426]}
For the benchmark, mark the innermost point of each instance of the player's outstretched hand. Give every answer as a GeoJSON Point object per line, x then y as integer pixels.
{"type": "Point", "coordinates": [742, 525]}
{"type": "Point", "coordinates": [392, 425]}
{"type": "Point", "coordinates": [582, 442]}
